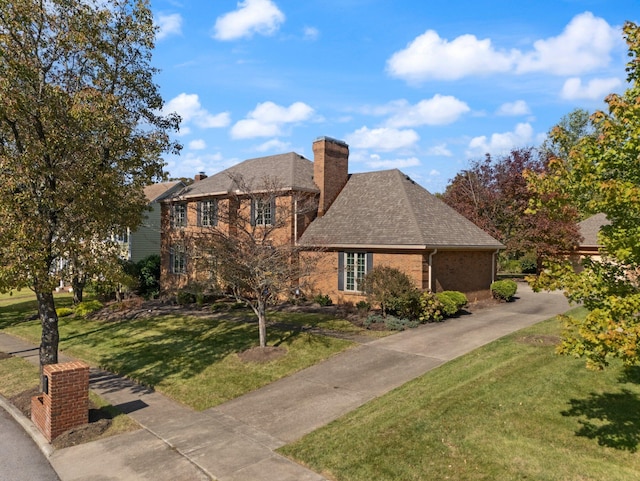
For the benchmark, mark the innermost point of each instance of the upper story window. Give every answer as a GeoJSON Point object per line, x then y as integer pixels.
{"type": "Point", "coordinates": [208, 213]}
{"type": "Point", "coordinates": [352, 267]}
{"type": "Point", "coordinates": [122, 237]}
{"type": "Point", "coordinates": [179, 215]}
{"type": "Point", "coordinates": [262, 211]}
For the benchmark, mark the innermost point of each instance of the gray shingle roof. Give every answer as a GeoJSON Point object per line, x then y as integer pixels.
{"type": "Point", "coordinates": [387, 208]}
{"type": "Point", "coordinates": [288, 171]}
{"type": "Point", "coordinates": [156, 192]}
{"type": "Point", "coordinates": [590, 227]}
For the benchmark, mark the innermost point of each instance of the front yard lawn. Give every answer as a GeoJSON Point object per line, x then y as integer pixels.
{"type": "Point", "coordinates": [512, 410]}
{"type": "Point", "coordinates": [194, 359]}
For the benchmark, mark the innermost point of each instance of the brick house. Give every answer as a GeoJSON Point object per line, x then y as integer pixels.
{"type": "Point", "coordinates": [359, 221]}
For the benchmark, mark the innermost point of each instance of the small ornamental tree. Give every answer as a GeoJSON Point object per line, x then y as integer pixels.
{"type": "Point", "coordinates": [250, 253]}
{"type": "Point", "coordinates": [602, 174]}
{"type": "Point", "coordinates": [80, 136]}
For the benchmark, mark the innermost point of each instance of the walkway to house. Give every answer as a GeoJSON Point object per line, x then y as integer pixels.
{"type": "Point", "coordinates": [236, 440]}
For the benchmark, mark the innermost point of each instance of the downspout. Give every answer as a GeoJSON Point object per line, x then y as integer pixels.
{"type": "Point", "coordinates": [435, 251]}
{"type": "Point", "coordinates": [493, 265]}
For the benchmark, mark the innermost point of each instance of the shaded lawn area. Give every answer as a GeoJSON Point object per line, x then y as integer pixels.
{"type": "Point", "coordinates": [512, 410]}
{"type": "Point", "coordinates": [17, 305]}
{"type": "Point", "coordinates": [193, 359]}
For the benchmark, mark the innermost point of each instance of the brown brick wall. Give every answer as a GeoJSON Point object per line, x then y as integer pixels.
{"type": "Point", "coordinates": [466, 271]}
{"type": "Point", "coordinates": [66, 404]}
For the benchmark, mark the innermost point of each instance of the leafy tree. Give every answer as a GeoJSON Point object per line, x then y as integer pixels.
{"type": "Point", "coordinates": [80, 136]}
{"type": "Point", "coordinates": [493, 194]}
{"type": "Point", "coordinates": [572, 127]}
{"type": "Point", "coordinates": [603, 175]}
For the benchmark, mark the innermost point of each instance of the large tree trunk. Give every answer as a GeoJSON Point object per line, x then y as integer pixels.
{"type": "Point", "coordinates": [49, 323]}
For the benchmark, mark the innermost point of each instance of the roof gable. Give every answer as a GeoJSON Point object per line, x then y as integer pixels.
{"type": "Point", "coordinates": [289, 171]}
{"type": "Point", "coordinates": [387, 208]}
{"type": "Point", "coordinates": [590, 228]}
{"type": "Point", "coordinates": [156, 192]}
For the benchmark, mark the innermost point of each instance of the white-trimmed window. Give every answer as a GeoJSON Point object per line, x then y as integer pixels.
{"type": "Point", "coordinates": [352, 267]}
{"type": "Point", "coordinates": [208, 213]}
{"type": "Point", "coordinates": [179, 215]}
{"type": "Point", "coordinates": [262, 211]}
{"type": "Point", "coordinates": [178, 259]}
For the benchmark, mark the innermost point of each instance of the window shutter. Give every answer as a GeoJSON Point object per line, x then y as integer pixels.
{"type": "Point", "coordinates": [215, 212]}
{"type": "Point", "coordinates": [253, 212]}
{"type": "Point", "coordinates": [341, 271]}
{"type": "Point", "coordinates": [172, 267]}
{"type": "Point", "coordinates": [199, 212]}
{"type": "Point", "coordinates": [369, 261]}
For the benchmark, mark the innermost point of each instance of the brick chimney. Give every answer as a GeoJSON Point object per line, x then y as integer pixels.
{"type": "Point", "coordinates": [330, 169]}
{"type": "Point", "coordinates": [199, 176]}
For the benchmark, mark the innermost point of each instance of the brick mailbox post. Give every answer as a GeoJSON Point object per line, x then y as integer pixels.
{"type": "Point", "coordinates": [64, 403]}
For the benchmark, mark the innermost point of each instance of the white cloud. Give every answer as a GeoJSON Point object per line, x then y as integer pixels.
{"type": "Point", "coordinates": [502, 142]}
{"type": "Point", "coordinates": [168, 25]}
{"type": "Point", "coordinates": [439, 110]}
{"type": "Point", "coordinates": [440, 150]}
{"type": "Point", "coordinates": [431, 57]}
{"type": "Point", "coordinates": [382, 139]}
{"type": "Point", "coordinates": [595, 89]}
{"type": "Point", "coordinates": [268, 119]}
{"type": "Point", "coordinates": [252, 16]}
{"type": "Point", "coordinates": [519, 107]}
{"type": "Point", "coordinates": [189, 108]}
{"type": "Point", "coordinates": [311, 33]}
{"type": "Point", "coordinates": [274, 145]}
{"type": "Point", "coordinates": [434, 173]}
{"type": "Point", "coordinates": [377, 163]}
{"type": "Point", "coordinates": [189, 164]}
{"type": "Point", "coordinates": [197, 144]}
{"type": "Point", "coordinates": [584, 45]}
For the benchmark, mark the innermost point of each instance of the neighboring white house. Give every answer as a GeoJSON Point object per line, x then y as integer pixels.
{"type": "Point", "coordinates": [145, 240]}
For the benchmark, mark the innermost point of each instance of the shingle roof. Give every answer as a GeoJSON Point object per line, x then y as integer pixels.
{"type": "Point", "coordinates": [289, 171]}
{"type": "Point", "coordinates": [155, 192]}
{"type": "Point", "coordinates": [387, 208]}
{"type": "Point", "coordinates": [590, 227]}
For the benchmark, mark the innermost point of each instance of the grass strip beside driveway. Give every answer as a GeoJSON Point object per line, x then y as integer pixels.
{"type": "Point", "coordinates": [511, 410]}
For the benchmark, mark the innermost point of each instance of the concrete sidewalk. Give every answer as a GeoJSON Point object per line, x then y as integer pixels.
{"type": "Point", "coordinates": [236, 440]}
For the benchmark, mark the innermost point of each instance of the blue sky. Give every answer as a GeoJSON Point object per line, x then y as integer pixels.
{"type": "Point", "coordinates": [422, 86]}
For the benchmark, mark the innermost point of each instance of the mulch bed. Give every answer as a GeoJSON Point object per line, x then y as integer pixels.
{"type": "Point", "coordinates": [99, 421]}
{"type": "Point", "coordinates": [262, 354]}
{"type": "Point", "coordinates": [540, 340]}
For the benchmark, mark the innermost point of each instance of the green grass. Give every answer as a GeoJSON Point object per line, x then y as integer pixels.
{"type": "Point", "coordinates": [16, 306]}
{"type": "Point", "coordinates": [512, 410]}
{"type": "Point", "coordinates": [194, 359]}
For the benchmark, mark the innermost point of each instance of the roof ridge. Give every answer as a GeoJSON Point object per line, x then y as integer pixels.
{"type": "Point", "coordinates": [410, 205]}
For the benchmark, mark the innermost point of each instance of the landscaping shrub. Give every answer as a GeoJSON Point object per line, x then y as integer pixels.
{"type": "Point", "coordinates": [504, 289]}
{"type": "Point", "coordinates": [388, 288]}
{"type": "Point", "coordinates": [64, 311]}
{"type": "Point", "coordinates": [184, 297]}
{"type": "Point", "coordinates": [323, 300]}
{"type": "Point", "coordinates": [452, 302]}
{"type": "Point", "coordinates": [430, 308]}
{"type": "Point", "coordinates": [407, 305]}
{"type": "Point", "coordinates": [87, 307]}
{"type": "Point", "coordinates": [373, 319]}
{"type": "Point", "coordinates": [148, 274]}
{"type": "Point", "coordinates": [529, 264]}
{"type": "Point", "coordinates": [394, 323]}
{"type": "Point", "coordinates": [363, 306]}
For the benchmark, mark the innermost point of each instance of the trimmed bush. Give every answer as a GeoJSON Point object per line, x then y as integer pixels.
{"type": "Point", "coordinates": [373, 319]}
{"type": "Point", "coordinates": [64, 311]}
{"type": "Point", "coordinates": [323, 300]}
{"type": "Point", "coordinates": [398, 323]}
{"type": "Point", "coordinates": [87, 307]}
{"type": "Point", "coordinates": [184, 297]}
{"type": "Point", "coordinates": [504, 289]}
{"type": "Point", "coordinates": [430, 308]}
{"type": "Point", "coordinates": [452, 302]}
{"type": "Point", "coordinates": [388, 287]}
